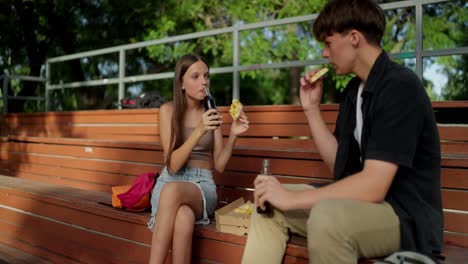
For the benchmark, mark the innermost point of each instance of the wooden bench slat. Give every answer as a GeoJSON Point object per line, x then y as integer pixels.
{"type": "Point", "coordinates": [41, 120]}
{"type": "Point", "coordinates": [85, 130]}
{"type": "Point", "coordinates": [456, 222]}
{"type": "Point", "coordinates": [144, 156]}
{"type": "Point", "coordinates": [453, 132]}
{"type": "Point", "coordinates": [74, 174]}
{"type": "Point", "coordinates": [89, 164]}
{"type": "Point", "coordinates": [74, 242]}
{"type": "Point", "coordinates": [132, 143]}
{"type": "Point", "coordinates": [455, 199]}
{"type": "Point", "coordinates": [65, 163]}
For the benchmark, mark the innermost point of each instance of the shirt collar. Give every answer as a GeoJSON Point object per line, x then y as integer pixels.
{"type": "Point", "coordinates": [376, 72]}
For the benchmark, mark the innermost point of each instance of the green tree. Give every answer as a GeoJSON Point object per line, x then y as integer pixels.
{"type": "Point", "coordinates": [36, 30]}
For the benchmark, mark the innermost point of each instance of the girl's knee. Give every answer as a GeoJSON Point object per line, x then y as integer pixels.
{"type": "Point", "coordinates": [185, 213]}
{"type": "Point", "coordinates": [185, 220]}
{"type": "Point", "coordinates": [170, 193]}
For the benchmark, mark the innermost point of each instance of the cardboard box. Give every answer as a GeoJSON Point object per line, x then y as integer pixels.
{"type": "Point", "coordinates": [229, 221]}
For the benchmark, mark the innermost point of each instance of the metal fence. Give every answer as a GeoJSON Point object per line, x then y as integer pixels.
{"type": "Point", "coordinates": [6, 78]}
{"type": "Point", "coordinates": [418, 54]}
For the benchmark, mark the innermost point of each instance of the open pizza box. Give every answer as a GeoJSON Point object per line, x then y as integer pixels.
{"type": "Point", "coordinates": [232, 221]}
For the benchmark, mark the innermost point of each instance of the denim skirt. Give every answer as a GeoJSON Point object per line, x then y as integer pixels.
{"type": "Point", "coordinates": [202, 178]}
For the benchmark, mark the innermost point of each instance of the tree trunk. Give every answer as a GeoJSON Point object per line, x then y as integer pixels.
{"type": "Point", "coordinates": [35, 50]}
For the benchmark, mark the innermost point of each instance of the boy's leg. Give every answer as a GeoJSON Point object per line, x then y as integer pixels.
{"type": "Point", "coordinates": [341, 231]}
{"type": "Point", "coordinates": [268, 236]}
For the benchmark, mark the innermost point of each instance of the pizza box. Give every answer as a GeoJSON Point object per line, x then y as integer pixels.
{"type": "Point", "coordinates": [229, 221]}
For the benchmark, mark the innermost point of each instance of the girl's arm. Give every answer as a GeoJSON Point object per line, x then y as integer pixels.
{"type": "Point", "coordinates": [222, 153]}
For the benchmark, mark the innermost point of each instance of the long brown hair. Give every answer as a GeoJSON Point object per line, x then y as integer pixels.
{"type": "Point", "coordinates": [179, 102]}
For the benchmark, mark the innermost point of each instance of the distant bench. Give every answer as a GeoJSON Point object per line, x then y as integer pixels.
{"type": "Point", "coordinates": [58, 166]}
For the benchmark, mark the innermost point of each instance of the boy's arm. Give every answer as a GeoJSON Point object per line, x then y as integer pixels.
{"type": "Point", "coordinates": [324, 140]}
{"type": "Point", "coordinates": [370, 185]}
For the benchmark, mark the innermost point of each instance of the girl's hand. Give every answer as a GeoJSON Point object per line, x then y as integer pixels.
{"type": "Point", "coordinates": [211, 120]}
{"type": "Point", "coordinates": [240, 125]}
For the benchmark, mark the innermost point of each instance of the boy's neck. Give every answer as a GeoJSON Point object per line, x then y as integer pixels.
{"type": "Point", "coordinates": [365, 60]}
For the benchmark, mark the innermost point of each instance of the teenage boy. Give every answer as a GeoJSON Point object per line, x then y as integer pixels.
{"type": "Point", "coordinates": [384, 155]}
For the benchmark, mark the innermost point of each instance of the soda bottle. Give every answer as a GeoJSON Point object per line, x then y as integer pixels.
{"type": "Point", "coordinates": [265, 171]}
{"type": "Point", "coordinates": [208, 101]}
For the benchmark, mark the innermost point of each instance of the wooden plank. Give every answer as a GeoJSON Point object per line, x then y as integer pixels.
{"type": "Point", "coordinates": [456, 222]}
{"type": "Point", "coordinates": [454, 147]}
{"type": "Point", "coordinates": [36, 251]}
{"type": "Point", "coordinates": [449, 104]}
{"type": "Point", "coordinates": [79, 244]}
{"type": "Point", "coordinates": [152, 144]}
{"type": "Point", "coordinates": [82, 218]}
{"type": "Point", "coordinates": [86, 130]}
{"type": "Point", "coordinates": [78, 199]}
{"type": "Point", "coordinates": [245, 180]}
{"type": "Point", "coordinates": [81, 174]}
{"type": "Point", "coordinates": [454, 160]}
{"type": "Point", "coordinates": [13, 255]}
{"type": "Point", "coordinates": [280, 166]}
{"type": "Point", "coordinates": [63, 182]}
{"type": "Point", "coordinates": [98, 165]}
{"type": "Point", "coordinates": [455, 178]}
{"type": "Point", "coordinates": [130, 155]}
{"type": "Point", "coordinates": [113, 117]}
{"type": "Point", "coordinates": [217, 251]}
{"type": "Point", "coordinates": [454, 254]}
{"type": "Point", "coordinates": [454, 239]}
{"type": "Point", "coordinates": [453, 132]}
{"type": "Point", "coordinates": [455, 199]}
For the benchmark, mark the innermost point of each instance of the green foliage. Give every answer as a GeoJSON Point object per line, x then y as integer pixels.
{"type": "Point", "coordinates": [58, 27]}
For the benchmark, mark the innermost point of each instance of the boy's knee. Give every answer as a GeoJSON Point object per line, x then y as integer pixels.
{"type": "Point", "coordinates": [326, 222]}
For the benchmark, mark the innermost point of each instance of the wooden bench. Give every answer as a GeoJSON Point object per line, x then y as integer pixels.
{"type": "Point", "coordinates": [57, 167]}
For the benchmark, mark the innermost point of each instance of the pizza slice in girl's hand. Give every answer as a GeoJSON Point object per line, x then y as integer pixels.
{"type": "Point", "coordinates": [236, 108]}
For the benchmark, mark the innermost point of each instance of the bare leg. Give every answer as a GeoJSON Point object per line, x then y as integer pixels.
{"type": "Point", "coordinates": [173, 196]}
{"type": "Point", "coordinates": [183, 232]}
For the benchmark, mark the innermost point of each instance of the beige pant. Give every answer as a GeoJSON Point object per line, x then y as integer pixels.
{"type": "Point", "coordinates": [337, 231]}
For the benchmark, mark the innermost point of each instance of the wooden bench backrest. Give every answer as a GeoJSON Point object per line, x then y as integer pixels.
{"type": "Point", "coordinates": [98, 149]}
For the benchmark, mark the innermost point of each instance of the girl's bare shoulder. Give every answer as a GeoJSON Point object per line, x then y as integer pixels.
{"type": "Point", "coordinates": [166, 108]}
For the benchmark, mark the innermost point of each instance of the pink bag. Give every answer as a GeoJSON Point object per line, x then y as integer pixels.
{"type": "Point", "coordinates": [139, 191]}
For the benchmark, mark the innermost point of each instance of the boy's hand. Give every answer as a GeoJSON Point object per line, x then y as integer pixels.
{"type": "Point", "coordinates": [310, 93]}
{"type": "Point", "coordinates": [268, 188]}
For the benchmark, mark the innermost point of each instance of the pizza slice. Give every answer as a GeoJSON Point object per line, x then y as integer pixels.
{"type": "Point", "coordinates": [236, 108]}
{"type": "Point", "coordinates": [318, 74]}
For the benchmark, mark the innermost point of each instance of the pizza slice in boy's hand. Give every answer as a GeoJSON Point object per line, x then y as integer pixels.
{"type": "Point", "coordinates": [318, 74]}
{"type": "Point", "coordinates": [236, 108]}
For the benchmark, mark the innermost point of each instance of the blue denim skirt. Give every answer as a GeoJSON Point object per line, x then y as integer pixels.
{"type": "Point", "coordinates": [202, 178]}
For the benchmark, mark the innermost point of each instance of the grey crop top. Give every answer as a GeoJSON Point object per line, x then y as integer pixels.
{"type": "Point", "coordinates": [204, 148]}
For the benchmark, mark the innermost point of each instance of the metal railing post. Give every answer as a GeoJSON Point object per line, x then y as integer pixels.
{"type": "Point", "coordinates": [235, 64]}
{"type": "Point", "coordinates": [6, 80]}
{"type": "Point", "coordinates": [121, 76]}
{"type": "Point", "coordinates": [419, 40]}
{"type": "Point", "coordinates": [47, 84]}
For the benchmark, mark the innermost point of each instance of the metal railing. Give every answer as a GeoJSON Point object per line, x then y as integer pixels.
{"type": "Point", "coordinates": [236, 68]}
{"type": "Point", "coordinates": [6, 77]}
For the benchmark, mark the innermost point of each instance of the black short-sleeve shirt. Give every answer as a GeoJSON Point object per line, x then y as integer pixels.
{"type": "Point", "coordinates": [398, 127]}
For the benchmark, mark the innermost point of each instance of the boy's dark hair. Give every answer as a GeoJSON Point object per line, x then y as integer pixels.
{"type": "Point", "coordinates": [339, 16]}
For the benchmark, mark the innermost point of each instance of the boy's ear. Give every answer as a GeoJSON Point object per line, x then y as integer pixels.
{"type": "Point", "coordinates": [355, 38]}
